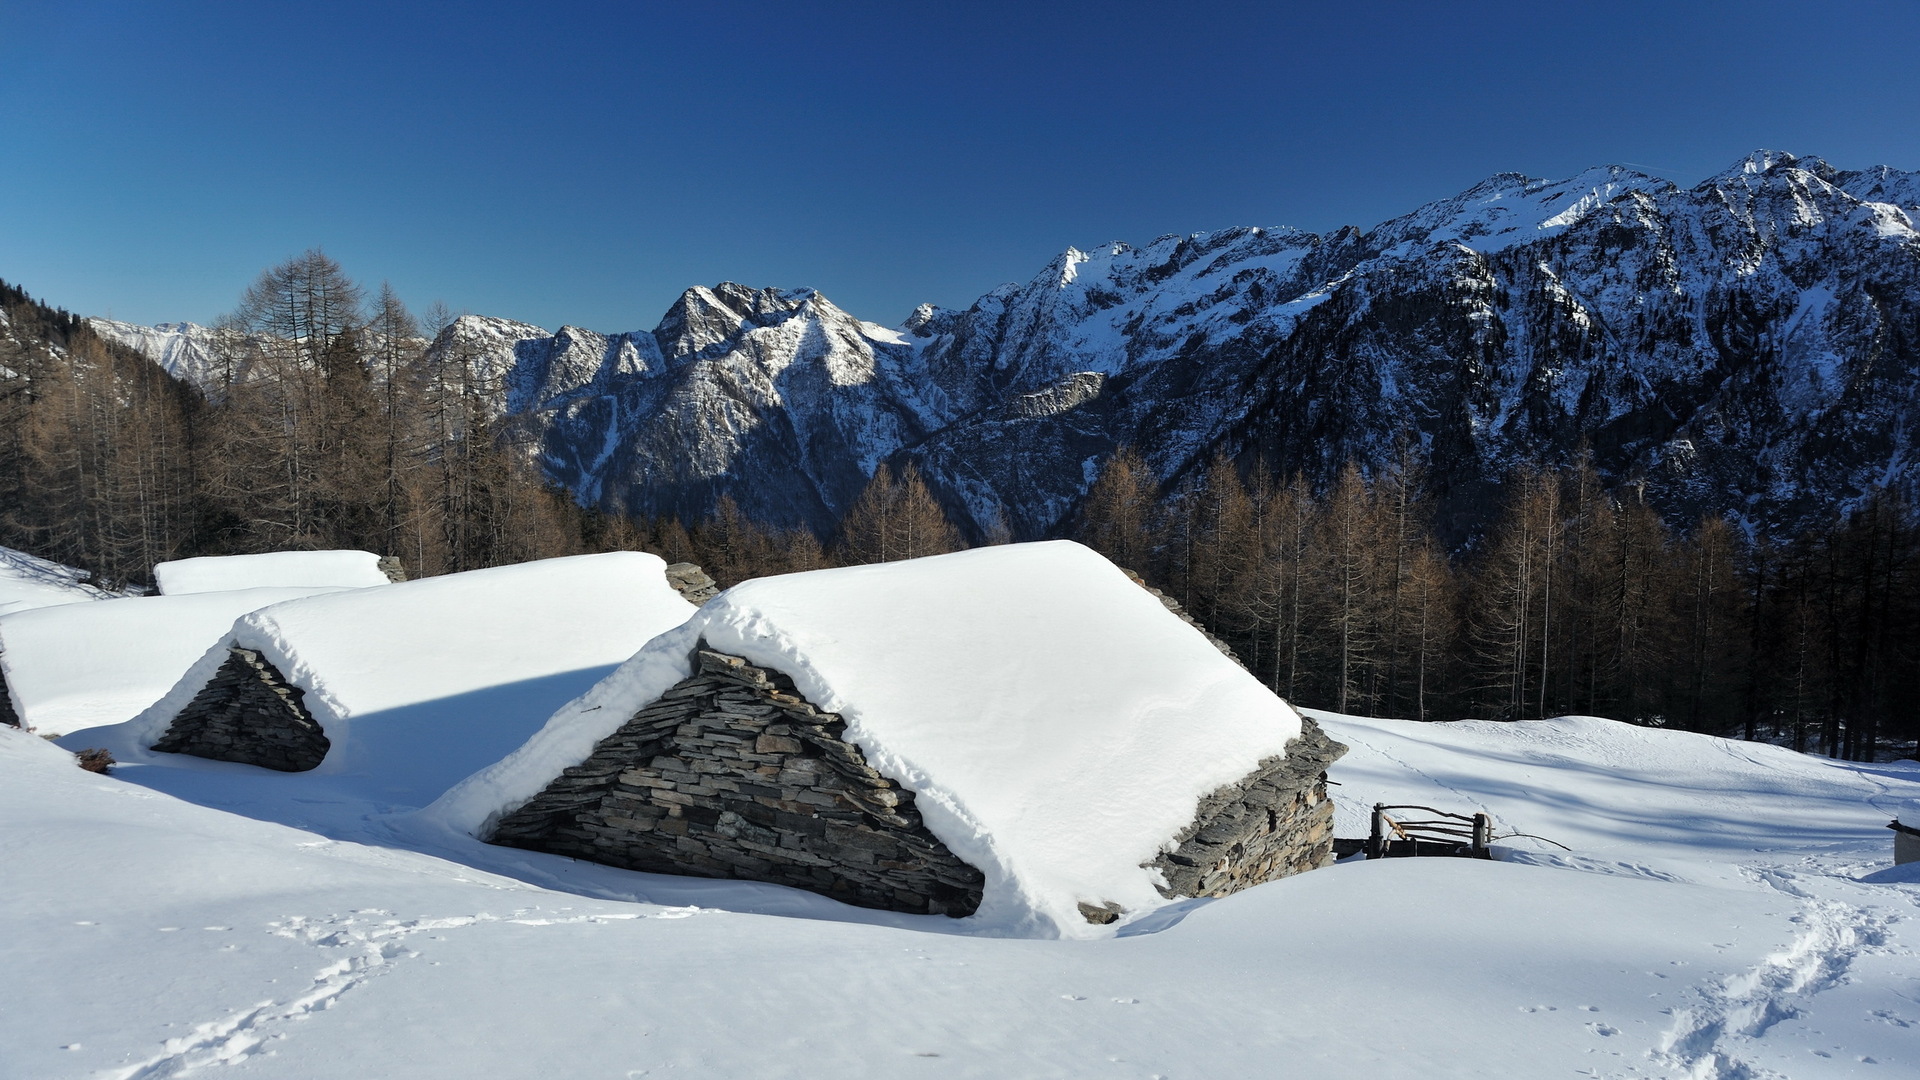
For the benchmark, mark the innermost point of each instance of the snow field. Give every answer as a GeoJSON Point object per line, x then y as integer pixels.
{"type": "Point", "coordinates": [1057, 725]}
{"type": "Point", "coordinates": [190, 937]}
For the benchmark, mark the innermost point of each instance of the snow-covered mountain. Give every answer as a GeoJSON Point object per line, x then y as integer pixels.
{"type": "Point", "coordinates": [1752, 341]}
{"type": "Point", "coordinates": [185, 349]}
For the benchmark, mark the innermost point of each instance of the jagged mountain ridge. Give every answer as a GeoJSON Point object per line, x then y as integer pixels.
{"type": "Point", "coordinates": [1753, 341]}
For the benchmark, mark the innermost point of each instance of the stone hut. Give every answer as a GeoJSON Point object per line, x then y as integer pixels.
{"type": "Point", "coordinates": [1016, 732]}
{"type": "Point", "coordinates": [289, 684]}
{"type": "Point", "coordinates": [75, 666]}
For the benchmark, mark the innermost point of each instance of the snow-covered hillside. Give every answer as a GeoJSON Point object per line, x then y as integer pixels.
{"type": "Point", "coordinates": [186, 350]}
{"type": "Point", "coordinates": [1727, 910]}
{"type": "Point", "coordinates": [29, 581]}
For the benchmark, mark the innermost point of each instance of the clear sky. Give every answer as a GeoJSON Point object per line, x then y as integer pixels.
{"type": "Point", "coordinates": [584, 163]}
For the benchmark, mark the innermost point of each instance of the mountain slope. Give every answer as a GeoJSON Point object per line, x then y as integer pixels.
{"type": "Point", "coordinates": [1749, 343]}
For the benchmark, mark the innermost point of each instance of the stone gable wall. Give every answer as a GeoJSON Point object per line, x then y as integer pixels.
{"type": "Point", "coordinates": [248, 713]}
{"type": "Point", "coordinates": [7, 715]}
{"type": "Point", "coordinates": [1276, 821]}
{"type": "Point", "coordinates": [732, 774]}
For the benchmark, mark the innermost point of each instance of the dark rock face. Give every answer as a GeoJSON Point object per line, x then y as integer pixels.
{"type": "Point", "coordinates": [7, 714]}
{"type": "Point", "coordinates": [732, 774]}
{"type": "Point", "coordinates": [249, 713]}
{"type": "Point", "coordinates": [1275, 822]}
{"type": "Point", "coordinates": [1752, 343]}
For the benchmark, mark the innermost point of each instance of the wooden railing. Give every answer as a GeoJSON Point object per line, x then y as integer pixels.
{"type": "Point", "coordinates": [1441, 833]}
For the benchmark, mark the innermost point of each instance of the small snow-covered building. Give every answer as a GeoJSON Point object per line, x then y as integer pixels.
{"type": "Point", "coordinates": [435, 667]}
{"type": "Point", "coordinates": [272, 569]}
{"type": "Point", "coordinates": [1017, 732]}
{"type": "Point", "coordinates": [72, 666]}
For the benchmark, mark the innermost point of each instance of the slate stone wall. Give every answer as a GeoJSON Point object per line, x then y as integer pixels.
{"type": "Point", "coordinates": [692, 583]}
{"type": "Point", "coordinates": [732, 774]}
{"type": "Point", "coordinates": [248, 713]}
{"type": "Point", "coordinates": [1275, 822]}
{"type": "Point", "coordinates": [7, 715]}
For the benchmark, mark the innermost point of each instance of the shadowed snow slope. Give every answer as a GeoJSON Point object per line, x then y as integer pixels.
{"type": "Point", "coordinates": [28, 581]}
{"type": "Point", "coordinates": [210, 573]}
{"type": "Point", "coordinates": [1057, 725]}
{"type": "Point", "coordinates": [72, 665]}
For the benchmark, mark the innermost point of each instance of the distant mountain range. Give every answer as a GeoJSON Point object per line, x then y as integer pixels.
{"type": "Point", "coordinates": [1750, 344]}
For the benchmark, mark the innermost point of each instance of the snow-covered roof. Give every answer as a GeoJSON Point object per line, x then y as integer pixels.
{"type": "Point", "coordinates": [273, 569]}
{"type": "Point", "coordinates": [362, 652]}
{"type": "Point", "coordinates": [1057, 724]}
{"type": "Point", "coordinates": [77, 665]}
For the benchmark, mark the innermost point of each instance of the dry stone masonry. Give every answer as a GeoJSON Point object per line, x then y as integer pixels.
{"type": "Point", "coordinates": [249, 713]}
{"type": "Point", "coordinates": [692, 583]}
{"type": "Point", "coordinates": [733, 774]}
{"type": "Point", "coordinates": [1274, 822]}
{"type": "Point", "coordinates": [7, 715]}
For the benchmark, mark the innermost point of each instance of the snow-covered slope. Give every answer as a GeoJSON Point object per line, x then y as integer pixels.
{"type": "Point", "coordinates": [1728, 911]}
{"type": "Point", "coordinates": [1057, 725]}
{"type": "Point", "coordinates": [28, 581]}
{"type": "Point", "coordinates": [273, 569]}
{"type": "Point", "coordinates": [186, 350]}
{"type": "Point", "coordinates": [71, 665]}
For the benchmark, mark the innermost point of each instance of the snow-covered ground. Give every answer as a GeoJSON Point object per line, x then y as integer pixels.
{"type": "Point", "coordinates": [1727, 910]}
{"type": "Point", "coordinates": [28, 581]}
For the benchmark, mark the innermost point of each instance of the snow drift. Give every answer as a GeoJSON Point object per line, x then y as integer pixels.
{"type": "Point", "coordinates": [290, 569]}
{"type": "Point", "coordinates": [1057, 725]}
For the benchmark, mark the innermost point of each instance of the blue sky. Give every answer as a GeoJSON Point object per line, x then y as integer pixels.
{"type": "Point", "coordinates": [584, 163]}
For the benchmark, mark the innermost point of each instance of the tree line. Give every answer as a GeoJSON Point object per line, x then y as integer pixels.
{"type": "Point", "coordinates": [330, 418]}
{"type": "Point", "coordinates": [1576, 600]}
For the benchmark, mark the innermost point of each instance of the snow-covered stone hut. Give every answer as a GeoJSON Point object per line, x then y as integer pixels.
{"type": "Point", "coordinates": [78, 665]}
{"type": "Point", "coordinates": [1018, 732]}
{"type": "Point", "coordinates": [272, 569]}
{"type": "Point", "coordinates": [288, 685]}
